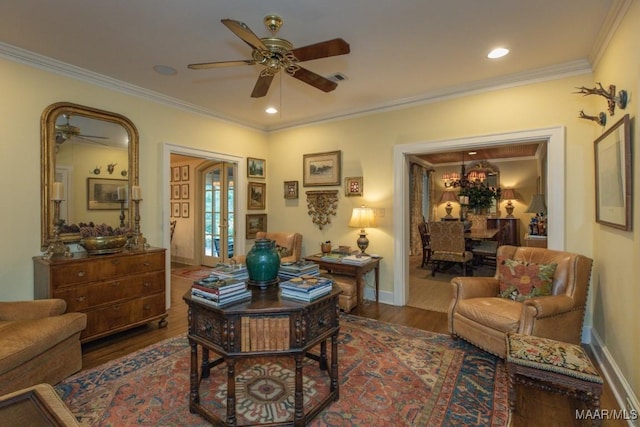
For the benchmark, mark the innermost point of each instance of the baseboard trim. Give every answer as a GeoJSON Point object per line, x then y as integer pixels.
{"type": "Point", "coordinates": [615, 379]}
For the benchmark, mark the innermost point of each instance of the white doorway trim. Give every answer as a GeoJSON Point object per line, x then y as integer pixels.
{"type": "Point", "coordinates": [241, 197]}
{"type": "Point", "coordinates": [555, 137]}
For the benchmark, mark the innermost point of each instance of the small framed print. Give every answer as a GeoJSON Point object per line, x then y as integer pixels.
{"type": "Point", "coordinates": [184, 210]}
{"type": "Point", "coordinates": [255, 223]}
{"type": "Point", "coordinates": [184, 173]}
{"type": "Point", "coordinates": [184, 191]}
{"type": "Point", "coordinates": [256, 168]}
{"type": "Point", "coordinates": [175, 174]}
{"type": "Point", "coordinates": [353, 186]}
{"type": "Point", "coordinates": [257, 196]}
{"type": "Point", "coordinates": [175, 192]}
{"type": "Point", "coordinates": [291, 189]}
{"type": "Point", "coordinates": [175, 210]}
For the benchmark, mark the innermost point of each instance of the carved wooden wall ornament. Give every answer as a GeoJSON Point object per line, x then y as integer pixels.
{"type": "Point", "coordinates": [321, 206]}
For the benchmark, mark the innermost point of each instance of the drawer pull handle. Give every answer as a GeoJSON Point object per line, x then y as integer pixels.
{"type": "Point", "coordinates": [147, 263]}
{"type": "Point", "coordinates": [116, 308]}
{"type": "Point", "coordinates": [147, 306]}
{"type": "Point", "coordinates": [116, 283]}
{"type": "Point", "coordinates": [146, 284]}
{"type": "Point", "coordinates": [321, 322]}
{"type": "Point", "coordinates": [81, 299]}
{"type": "Point", "coordinates": [81, 273]}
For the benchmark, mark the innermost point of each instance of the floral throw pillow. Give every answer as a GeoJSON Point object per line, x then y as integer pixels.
{"type": "Point", "coordinates": [283, 252]}
{"type": "Point", "coordinates": [520, 280]}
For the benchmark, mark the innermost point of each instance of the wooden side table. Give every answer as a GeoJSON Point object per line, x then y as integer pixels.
{"type": "Point", "coordinates": [229, 333]}
{"type": "Point", "coordinates": [357, 271]}
{"type": "Point", "coordinates": [535, 241]}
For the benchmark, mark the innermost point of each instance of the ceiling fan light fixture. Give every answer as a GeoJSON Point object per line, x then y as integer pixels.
{"type": "Point", "coordinates": [498, 52]}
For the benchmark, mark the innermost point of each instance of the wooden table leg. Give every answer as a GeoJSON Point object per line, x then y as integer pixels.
{"type": "Point", "coordinates": [194, 381]}
{"type": "Point", "coordinates": [377, 274]}
{"type": "Point", "coordinates": [323, 356]}
{"type": "Point", "coordinates": [298, 414]}
{"type": "Point", "coordinates": [206, 368]}
{"type": "Point", "coordinates": [334, 365]}
{"type": "Point", "coordinates": [231, 391]}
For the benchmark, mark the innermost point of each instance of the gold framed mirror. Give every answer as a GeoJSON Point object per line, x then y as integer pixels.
{"type": "Point", "coordinates": [94, 155]}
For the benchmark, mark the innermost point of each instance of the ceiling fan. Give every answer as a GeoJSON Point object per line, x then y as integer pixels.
{"type": "Point", "coordinates": [276, 54]}
{"type": "Point", "coordinates": [66, 131]}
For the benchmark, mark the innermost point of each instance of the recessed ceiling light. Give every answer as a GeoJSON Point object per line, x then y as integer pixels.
{"type": "Point", "coordinates": [165, 70]}
{"type": "Point", "coordinates": [471, 153]}
{"type": "Point", "coordinates": [271, 110]}
{"type": "Point", "coordinates": [498, 52]}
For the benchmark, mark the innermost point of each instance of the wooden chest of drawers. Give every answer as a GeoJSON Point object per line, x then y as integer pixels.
{"type": "Point", "coordinates": [116, 292]}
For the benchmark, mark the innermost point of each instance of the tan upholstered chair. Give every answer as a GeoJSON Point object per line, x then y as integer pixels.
{"type": "Point", "coordinates": [39, 343]}
{"type": "Point", "coordinates": [448, 245]}
{"type": "Point", "coordinates": [287, 242]}
{"type": "Point", "coordinates": [481, 317]}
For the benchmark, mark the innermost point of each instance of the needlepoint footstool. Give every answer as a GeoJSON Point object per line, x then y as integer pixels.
{"type": "Point", "coordinates": [553, 366]}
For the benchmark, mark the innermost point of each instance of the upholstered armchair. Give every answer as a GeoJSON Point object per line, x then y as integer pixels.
{"type": "Point", "coordinates": [448, 245]}
{"type": "Point", "coordinates": [479, 314]}
{"type": "Point", "coordinates": [289, 245]}
{"type": "Point", "coordinates": [39, 343]}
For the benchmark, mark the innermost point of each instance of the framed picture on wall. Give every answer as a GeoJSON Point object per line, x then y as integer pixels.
{"type": "Point", "coordinates": [175, 192]}
{"type": "Point", "coordinates": [256, 196]}
{"type": "Point", "coordinates": [184, 209]}
{"type": "Point", "coordinates": [613, 176]}
{"type": "Point", "coordinates": [256, 168]}
{"type": "Point", "coordinates": [321, 169]}
{"type": "Point", "coordinates": [184, 173]}
{"type": "Point", "coordinates": [291, 189]}
{"type": "Point", "coordinates": [184, 191]}
{"type": "Point", "coordinates": [175, 174]}
{"type": "Point", "coordinates": [175, 209]}
{"type": "Point", "coordinates": [255, 223]}
{"type": "Point", "coordinates": [353, 186]}
{"type": "Point", "coordinates": [103, 193]}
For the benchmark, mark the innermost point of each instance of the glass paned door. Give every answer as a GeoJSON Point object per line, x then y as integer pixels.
{"type": "Point", "coordinates": [219, 213]}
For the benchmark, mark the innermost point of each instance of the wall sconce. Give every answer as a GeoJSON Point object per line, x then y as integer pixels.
{"type": "Point", "coordinates": [448, 196]}
{"type": "Point", "coordinates": [509, 194]}
{"type": "Point", "coordinates": [613, 99]}
{"type": "Point", "coordinates": [362, 218]}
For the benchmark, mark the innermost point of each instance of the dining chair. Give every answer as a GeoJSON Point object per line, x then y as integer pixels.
{"type": "Point", "coordinates": [448, 245]}
{"type": "Point", "coordinates": [485, 252]}
{"type": "Point", "coordinates": [426, 243]}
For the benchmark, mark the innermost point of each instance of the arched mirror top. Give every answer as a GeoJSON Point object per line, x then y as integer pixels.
{"type": "Point", "coordinates": [92, 153]}
{"type": "Point", "coordinates": [489, 172]}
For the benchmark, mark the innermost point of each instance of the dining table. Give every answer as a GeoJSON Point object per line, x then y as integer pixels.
{"type": "Point", "coordinates": [481, 233]}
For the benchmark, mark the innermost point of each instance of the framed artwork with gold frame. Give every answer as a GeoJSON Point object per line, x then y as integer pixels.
{"type": "Point", "coordinates": [256, 197]}
{"type": "Point", "coordinates": [291, 189]}
{"type": "Point", "coordinates": [353, 186]}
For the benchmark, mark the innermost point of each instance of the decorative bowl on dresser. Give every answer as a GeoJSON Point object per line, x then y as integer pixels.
{"type": "Point", "coordinates": [116, 291]}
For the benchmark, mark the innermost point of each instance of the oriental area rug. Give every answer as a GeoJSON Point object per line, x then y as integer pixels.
{"type": "Point", "coordinates": [389, 375]}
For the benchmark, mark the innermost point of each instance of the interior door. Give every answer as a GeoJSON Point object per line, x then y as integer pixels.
{"type": "Point", "coordinates": [219, 213]}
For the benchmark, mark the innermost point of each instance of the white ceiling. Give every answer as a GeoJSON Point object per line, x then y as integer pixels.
{"type": "Point", "coordinates": [402, 52]}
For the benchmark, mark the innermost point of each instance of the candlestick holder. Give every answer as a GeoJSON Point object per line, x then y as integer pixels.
{"type": "Point", "coordinates": [121, 201]}
{"type": "Point", "coordinates": [137, 242]}
{"type": "Point", "coordinates": [57, 248]}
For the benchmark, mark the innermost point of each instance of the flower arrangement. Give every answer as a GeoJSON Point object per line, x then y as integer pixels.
{"type": "Point", "coordinates": [481, 196]}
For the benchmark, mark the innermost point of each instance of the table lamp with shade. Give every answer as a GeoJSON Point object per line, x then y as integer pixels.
{"type": "Point", "coordinates": [448, 196]}
{"type": "Point", "coordinates": [538, 224]}
{"type": "Point", "coordinates": [362, 218]}
{"type": "Point", "coordinates": [509, 194]}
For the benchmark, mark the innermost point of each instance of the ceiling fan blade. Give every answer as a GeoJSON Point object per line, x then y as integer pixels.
{"type": "Point", "coordinates": [262, 86]}
{"type": "Point", "coordinates": [241, 30]}
{"type": "Point", "coordinates": [315, 80]}
{"type": "Point", "coordinates": [82, 137]}
{"type": "Point", "coordinates": [93, 136]}
{"type": "Point", "coordinates": [321, 50]}
{"type": "Point", "coordinates": [221, 64]}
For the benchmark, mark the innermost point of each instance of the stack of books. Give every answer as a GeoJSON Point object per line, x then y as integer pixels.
{"type": "Point", "coordinates": [306, 288]}
{"type": "Point", "coordinates": [219, 292]}
{"type": "Point", "coordinates": [230, 271]}
{"type": "Point", "coordinates": [356, 259]}
{"type": "Point", "coordinates": [332, 257]}
{"type": "Point", "coordinates": [291, 270]}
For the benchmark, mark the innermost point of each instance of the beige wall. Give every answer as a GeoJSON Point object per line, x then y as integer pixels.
{"type": "Point", "coordinates": [367, 144]}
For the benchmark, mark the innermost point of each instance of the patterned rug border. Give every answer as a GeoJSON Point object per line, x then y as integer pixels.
{"type": "Point", "coordinates": [452, 397]}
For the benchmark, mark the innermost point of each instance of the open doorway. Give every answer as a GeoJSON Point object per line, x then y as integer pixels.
{"type": "Point", "coordinates": [555, 140]}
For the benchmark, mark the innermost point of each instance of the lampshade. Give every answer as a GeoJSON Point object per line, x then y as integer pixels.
{"type": "Point", "coordinates": [537, 204]}
{"type": "Point", "coordinates": [508, 194]}
{"type": "Point", "coordinates": [362, 218]}
{"type": "Point", "coordinates": [448, 196]}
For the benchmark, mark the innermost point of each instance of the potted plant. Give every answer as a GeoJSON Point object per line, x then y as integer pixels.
{"type": "Point", "coordinates": [481, 197]}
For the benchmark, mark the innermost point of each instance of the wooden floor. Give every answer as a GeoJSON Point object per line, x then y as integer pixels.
{"type": "Point", "coordinates": [535, 408]}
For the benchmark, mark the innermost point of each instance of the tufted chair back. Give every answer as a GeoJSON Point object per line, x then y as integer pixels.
{"type": "Point", "coordinates": [288, 243]}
